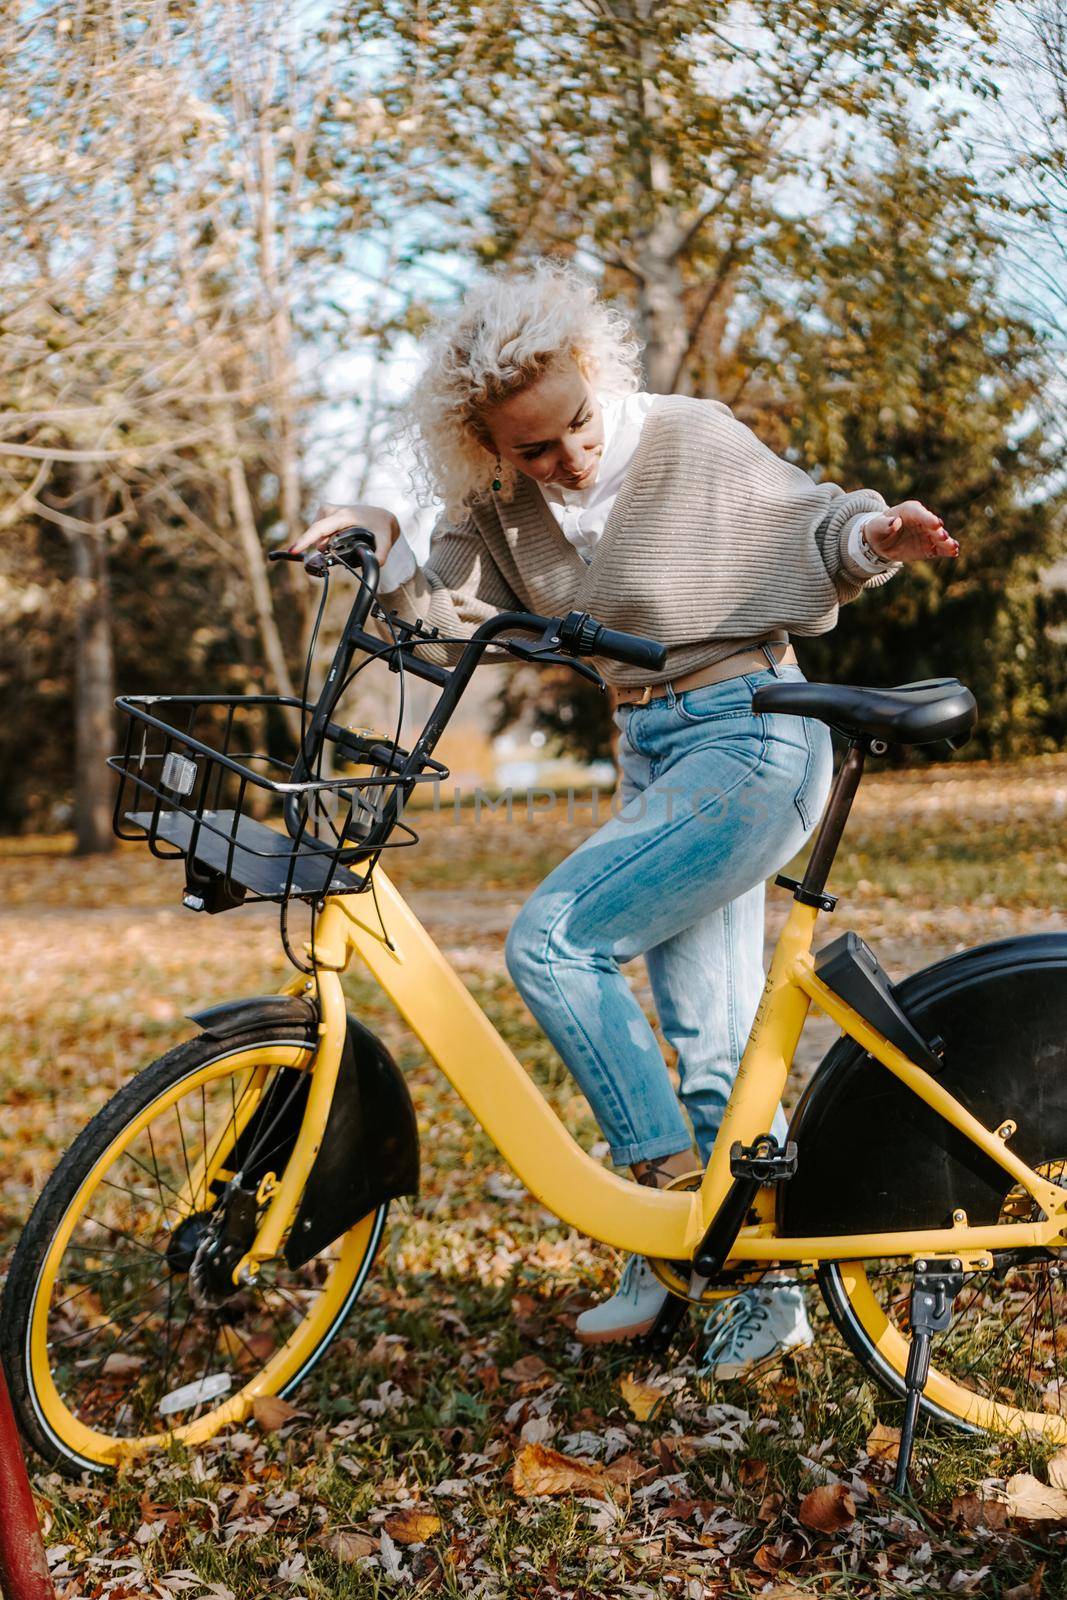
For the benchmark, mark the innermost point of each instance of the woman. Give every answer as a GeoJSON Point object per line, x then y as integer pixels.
{"type": "Point", "coordinates": [567, 488]}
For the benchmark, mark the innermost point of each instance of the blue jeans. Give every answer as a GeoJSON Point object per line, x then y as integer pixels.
{"type": "Point", "coordinates": [713, 799]}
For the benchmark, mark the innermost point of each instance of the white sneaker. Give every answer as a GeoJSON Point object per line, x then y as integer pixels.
{"type": "Point", "coordinates": [631, 1311]}
{"type": "Point", "coordinates": [754, 1325]}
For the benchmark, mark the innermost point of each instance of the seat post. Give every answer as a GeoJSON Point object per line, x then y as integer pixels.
{"type": "Point", "coordinates": [833, 820]}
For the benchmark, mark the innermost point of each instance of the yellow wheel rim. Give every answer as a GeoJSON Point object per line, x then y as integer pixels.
{"type": "Point", "coordinates": [96, 1448]}
{"type": "Point", "coordinates": [942, 1390]}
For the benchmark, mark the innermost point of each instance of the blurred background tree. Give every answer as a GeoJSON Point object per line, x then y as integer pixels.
{"type": "Point", "coordinates": [173, 202]}
{"type": "Point", "coordinates": [901, 368]}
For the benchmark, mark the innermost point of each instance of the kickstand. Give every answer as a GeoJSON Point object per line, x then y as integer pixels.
{"type": "Point", "coordinates": [669, 1319]}
{"type": "Point", "coordinates": [933, 1297]}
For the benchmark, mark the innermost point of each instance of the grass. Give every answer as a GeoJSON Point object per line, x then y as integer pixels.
{"type": "Point", "coordinates": [461, 1355]}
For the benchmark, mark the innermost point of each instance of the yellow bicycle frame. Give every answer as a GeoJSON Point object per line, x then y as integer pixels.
{"type": "Point", "coordinates": [501, 1096]}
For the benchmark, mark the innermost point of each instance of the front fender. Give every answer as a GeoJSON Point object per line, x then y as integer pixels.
{"type": "Point", "coordinates": [269, 1010]}
{"type": "Point", "coordinates": [370, 1148]}
{"type": "Point", "coordinates": [873, 1157]}
{"type": "Point", "coordinates": [369, 1152]}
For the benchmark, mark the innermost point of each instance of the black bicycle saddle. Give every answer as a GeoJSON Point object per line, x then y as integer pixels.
{"type": "Point", "coordinates": [910, 713]}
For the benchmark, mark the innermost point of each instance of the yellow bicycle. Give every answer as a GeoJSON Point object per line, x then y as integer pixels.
{"type": "Point", "coordinates": [208, 1233]}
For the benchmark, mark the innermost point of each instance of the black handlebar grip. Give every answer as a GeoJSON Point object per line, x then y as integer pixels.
{"type": "Point", "coordinates": [631, 649]}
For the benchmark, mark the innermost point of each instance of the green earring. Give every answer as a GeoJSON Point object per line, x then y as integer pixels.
{"type": "Point", "coordinates": [496, 478]}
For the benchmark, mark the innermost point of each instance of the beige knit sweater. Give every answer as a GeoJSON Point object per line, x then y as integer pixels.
{"type": "Point", "coordinates": [713, 543]}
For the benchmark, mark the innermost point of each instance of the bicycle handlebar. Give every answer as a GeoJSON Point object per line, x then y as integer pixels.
{"type": "Point", "coordinates": [577, 634]}
{"type": "Point", "coordinates": [593, 639]}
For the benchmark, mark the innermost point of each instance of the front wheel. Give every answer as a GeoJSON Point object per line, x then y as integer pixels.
{"type": "Point", "coordinates": [117, 1335]}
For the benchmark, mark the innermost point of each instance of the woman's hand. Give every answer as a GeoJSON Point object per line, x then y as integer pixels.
{"type": "Point", "coordinates": [909, 532]}
{"type": "Point", "coordinates": [331, 519]}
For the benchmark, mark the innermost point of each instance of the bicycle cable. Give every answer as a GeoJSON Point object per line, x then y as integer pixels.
{"type": "Point", "coordinates": [395, 647]}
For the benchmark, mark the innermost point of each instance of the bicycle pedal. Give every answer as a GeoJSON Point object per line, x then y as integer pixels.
{"type": "Point", "coordinates": [764, 1161]}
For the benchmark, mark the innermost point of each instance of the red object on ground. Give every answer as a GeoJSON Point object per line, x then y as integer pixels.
{"type": "Point", "coordinates": [23, 1568]}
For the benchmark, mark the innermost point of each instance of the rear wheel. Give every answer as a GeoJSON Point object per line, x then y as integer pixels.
{"type": "Point", "coordinates": [120, 1329]}
{"type": "Point", "coordinates": [1002, 1365]}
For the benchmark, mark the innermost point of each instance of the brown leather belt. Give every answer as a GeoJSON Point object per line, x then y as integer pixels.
{"type": "Point", "coordinates": [757, 659]}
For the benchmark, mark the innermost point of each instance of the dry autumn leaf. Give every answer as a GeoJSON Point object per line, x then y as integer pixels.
{"type": "Point", "coordinates": [883, 1443]}
{"type": "Point", "coordinates": [120, 1365]}
{"type": "Point", "coordinates": [525, 1370]}
{"type": "Point", "coordinates": [751, 1473]}
{"type": "Point", "coordinates": [1057, 1470]}
{"type": "Point", "coordinates": [787, 1551]}
{"type": "Point", "coordinates": [770, 1507]}
{"type": "Point", "coordinates": [971, 1511]}
{"type": "Point", "coordinates": [828, 1509]}
{"type": "Point", "coordinates": [624, 1469]}
{"type": "Point", "coordinates": [153, 1511]}
{"type": "Point", "coordinates": [271, 1411]}
{"type": "Point", "coordinates": [1034, 1501]}
{"type": "Point", "coordinates": [643, 1399]}
{"type": "Point", "coordinates": [540, 1471]}
{"type": "Point", "coordinates": [414, 1525]}
{"type": "Point", "coordinates": [1030, 1590]}
{"type": "Point", "coordinates": [344, 1545]}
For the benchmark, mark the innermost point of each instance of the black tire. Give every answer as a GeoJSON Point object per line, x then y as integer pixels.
{"type": "Point", "coordinates": [185, 1062]}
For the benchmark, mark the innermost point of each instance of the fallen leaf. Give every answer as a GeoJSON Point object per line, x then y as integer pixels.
{"type": "Point", "coordinates": [540, 1471]}
{"type": "Point", "coordinates": [1057, 1470]}
{"type": "Point", "coordinates": [678, 1510]}
{"type": "Point", "coordinates": [883, 1443]}
{"type": "Point", "coordinates": [770, 1506]}
{"type": "Point", "coordinates": [242, 1500]}
{"type": "Point", "coordinates": [524, 1370]}
{"type": "Point", "coordinates": [1034, 1501]}
{"type": "Point", "coordinates": [389, 1555]}
{"type": "Point", "coordinates": [385, 1349]}
{"type": "Point", "coordinates": [787, 1551]}
{"type": "Point", "coordinates": [120, 1365]}
{"type": "Point", "coordinates": [972, 1511]}
{"type": "Point", "coordinates": [271, 1411]}
{"type": "Point", "coordinates": [152, 1511]}
{"type": "Point", "coordinates": [624, 1469]}
{"type": "Point", "coordinates": [751, 1473]}
{"type": "Point", "coordinates": [526, 1311]}
{"type": "Point", "coordinates": [344, 1545]}
{"type": "Point", "coordinates": [414, 1525]}
{"type": "Point", "coordinates": [643, 1399]}
{"type": "Point", "coordinates": [1031, 1589]}
{"type": "Point", "coordinates": [489, 1377]}
{"type": "Point", "coordinates": [828, 1509]}
{"type": "Point", "coordinates": [538, 1430]}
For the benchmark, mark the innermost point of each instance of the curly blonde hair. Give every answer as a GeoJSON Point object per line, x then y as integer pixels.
{"type": "Point", "coordinates": [510, 328]}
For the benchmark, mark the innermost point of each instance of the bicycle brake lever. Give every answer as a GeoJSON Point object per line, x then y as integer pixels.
{"type": "Point", "coordinates": [314, 561]}
{"type": "Point", "coordinates": [552, 658]}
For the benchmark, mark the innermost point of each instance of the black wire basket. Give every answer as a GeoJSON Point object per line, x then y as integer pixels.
{"type": "Point", "coordinates": [193, 784]}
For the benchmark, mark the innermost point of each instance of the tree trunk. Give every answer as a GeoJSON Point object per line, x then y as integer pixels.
{"type": "Point", "coordinates": [94, 695]}
{"type": "Point", "coordinates": [661, 313]}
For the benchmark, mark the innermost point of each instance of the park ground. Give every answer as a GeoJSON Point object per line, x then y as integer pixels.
{"type": "Point", "coordinates": [419, 1460]}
